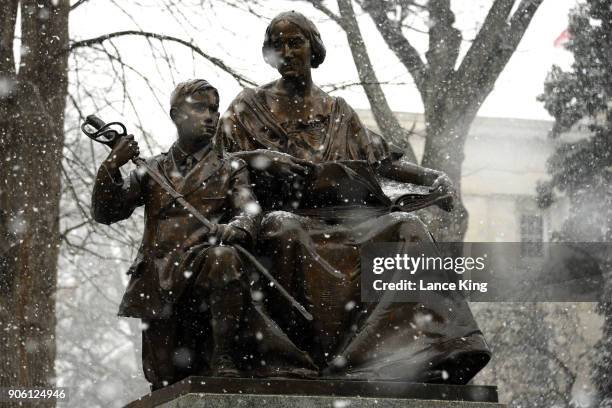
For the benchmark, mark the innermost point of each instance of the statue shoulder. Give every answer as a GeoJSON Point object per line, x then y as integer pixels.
{"type": "Point", "coordinates": [246, 95]}
{"type": "Point", "coordinates": [341, 104]}
{"type": "Point", "coordinates": [157, 159]}
{"type": "Point", "coordinates": [255, 94]}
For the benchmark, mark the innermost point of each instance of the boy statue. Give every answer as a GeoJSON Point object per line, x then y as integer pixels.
{"type": "Point", "coordinates": [187, 284]}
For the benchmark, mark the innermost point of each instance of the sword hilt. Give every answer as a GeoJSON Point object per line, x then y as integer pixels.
{"type": "Point", "coordinates": [106, 133]}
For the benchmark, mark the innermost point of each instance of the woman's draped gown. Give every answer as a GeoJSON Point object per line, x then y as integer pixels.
{"type": "Point", "coordinates": [311, 237]}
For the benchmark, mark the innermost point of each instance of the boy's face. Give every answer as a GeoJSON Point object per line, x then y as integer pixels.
{"type": "Point", "coordinates": [196, 116]}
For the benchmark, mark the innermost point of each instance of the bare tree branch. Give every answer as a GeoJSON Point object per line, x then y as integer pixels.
{"type": "Point", "coordinates": [571, 375]}
{"type": "Point", "coordinates": [494, 44]}
{"type": "Point", "coordinates": [117, 58]}
{"type": "Point", "coordinates": [318, 4]}
{"type": "Point", "coordinates": [397, 42]}
{"type": "Point", "coordinates": [77, 4]}
{"type": "Point", "coordinates": [385, 119]}
{"type": "Point", "coordinates": [444, 43]}
{"type": "Point", "coordinates": [522, 17]}
{"type": "Point", "coordinates": [330, 88]}
{"type": "Point", "coordinates": [241, 79]}
{"type": "Point", "coordinates": [484, 43]}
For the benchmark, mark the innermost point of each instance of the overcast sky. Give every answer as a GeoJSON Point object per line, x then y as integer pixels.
{"type": "Point", "coordinates": [235, 36]}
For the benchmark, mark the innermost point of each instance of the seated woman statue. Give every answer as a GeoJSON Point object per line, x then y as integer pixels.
{"type": "Point", "coordinates": [315, 165]}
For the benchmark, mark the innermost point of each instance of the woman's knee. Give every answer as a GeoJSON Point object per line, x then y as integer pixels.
{"type": "Point", "coordinates": [279, 223]}
{"type": "Point", "coordinates": [226, 255]}
{"type": "Point", "coordinates": [222, 264]}
{"type": "Point", "coordinates": [411, 228]}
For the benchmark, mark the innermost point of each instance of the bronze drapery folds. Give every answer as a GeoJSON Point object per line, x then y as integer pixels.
{"type": "Point", "coordinates": [315, 168]}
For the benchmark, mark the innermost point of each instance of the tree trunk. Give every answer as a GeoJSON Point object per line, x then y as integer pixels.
{"type": "Point", "coordinates": [452, 96]}
{"type": "Point", "coordinates": [388, 124]}
{"type": "Point", "coordinates": [444, 150]}
{"type": "Point", "coordinates": [32, 102]}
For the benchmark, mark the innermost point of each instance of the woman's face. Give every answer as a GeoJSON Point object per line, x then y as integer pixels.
{"type": "Point", "coordinates": [291, 50]}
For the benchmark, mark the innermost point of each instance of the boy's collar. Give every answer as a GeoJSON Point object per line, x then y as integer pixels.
{"type": "Point", "coordinates": [180, 155]}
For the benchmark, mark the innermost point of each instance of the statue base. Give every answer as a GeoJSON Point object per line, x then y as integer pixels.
{"type": "Point", "coordinates": [210, 392]}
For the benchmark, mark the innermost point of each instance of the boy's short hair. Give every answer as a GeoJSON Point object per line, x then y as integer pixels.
{"type": "Point", "coordinates": [190, 87]}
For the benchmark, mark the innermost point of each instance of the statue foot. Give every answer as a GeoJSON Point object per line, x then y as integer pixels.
{"type": "Point", "coordinates": [286, 372]}
{"type": "Point", "coordinates": [223, 366]}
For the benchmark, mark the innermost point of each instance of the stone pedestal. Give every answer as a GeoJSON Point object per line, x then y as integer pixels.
{"type": "Point", "coordinates": [207, 392]}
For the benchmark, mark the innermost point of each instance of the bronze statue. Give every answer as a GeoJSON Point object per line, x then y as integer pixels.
{"type": "Point", "coordinates": [187, 285]}
{"type": "Point", "coordinates": [314, 162]}
{"type": "Point", "coordinates": [314, 167]}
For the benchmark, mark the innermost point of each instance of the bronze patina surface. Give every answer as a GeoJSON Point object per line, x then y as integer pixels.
{"type": "Point", "coordinates": [315, 168]}
{"type": "Point", "coordinates": [190, 284]}
{"type": "Point", "coordinates": [207, 305]}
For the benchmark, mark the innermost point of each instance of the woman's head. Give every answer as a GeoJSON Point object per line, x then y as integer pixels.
{"type": "Point", "coordinates": [292, 44]}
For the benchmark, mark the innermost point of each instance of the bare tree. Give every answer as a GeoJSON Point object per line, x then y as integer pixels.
{"type": "Point", "coordinates": [32, 101]}
{"type": "Point", "coordinates": [452, 90]}
{"type": "Point", "coordinates": [46, 174]}
{"type": "Point", "coordinates": [39, 215]}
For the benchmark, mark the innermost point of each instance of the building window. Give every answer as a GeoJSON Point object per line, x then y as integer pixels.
{"type": "Point", "coordinates": [531, 235]}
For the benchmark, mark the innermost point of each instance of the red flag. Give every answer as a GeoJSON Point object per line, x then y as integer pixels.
{"type": "Point", "coordinates": [562, 39]}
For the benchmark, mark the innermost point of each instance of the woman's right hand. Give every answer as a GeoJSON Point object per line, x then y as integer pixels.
{"type": "Point", "coordinates": [277, 164]}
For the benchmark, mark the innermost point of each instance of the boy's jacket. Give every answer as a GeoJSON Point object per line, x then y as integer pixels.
{"type": "Point", "coordinates": [217, 185]}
